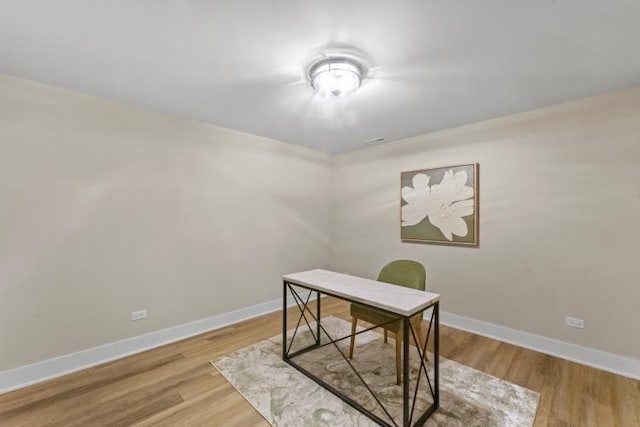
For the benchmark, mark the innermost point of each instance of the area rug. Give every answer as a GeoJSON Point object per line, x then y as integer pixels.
{"type": "Point", "coordinates": [286, 397]}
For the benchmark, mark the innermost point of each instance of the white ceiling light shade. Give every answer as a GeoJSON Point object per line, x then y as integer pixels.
{"type": "Point", "coordinates": [335, 76]}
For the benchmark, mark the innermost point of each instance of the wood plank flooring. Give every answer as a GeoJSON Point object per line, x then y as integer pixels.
{"type": "Point", "coordinates": [175, 385]}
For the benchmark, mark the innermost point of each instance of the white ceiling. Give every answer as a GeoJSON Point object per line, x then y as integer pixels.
{"type": "Point", "coordinates": [240, 63]}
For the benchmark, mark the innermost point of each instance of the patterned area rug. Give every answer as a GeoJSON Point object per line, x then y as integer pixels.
{"type": "Point", "coordinates": [285, 397]}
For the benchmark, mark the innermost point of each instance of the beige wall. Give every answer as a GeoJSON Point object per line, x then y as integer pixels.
{"type": "Point", "coordinates": [106, 209]}
{"type": "Point", "coordinates": [559, 219]}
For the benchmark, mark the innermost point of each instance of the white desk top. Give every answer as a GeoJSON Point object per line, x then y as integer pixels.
{"type": "Point", "coordinates": [397, 299]}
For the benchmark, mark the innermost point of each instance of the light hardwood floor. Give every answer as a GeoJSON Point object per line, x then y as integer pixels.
{"type": "Point", "coordinates": [175, 385]}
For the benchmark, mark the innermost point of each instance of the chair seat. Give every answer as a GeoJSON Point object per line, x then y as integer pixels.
{"type": "Point", "coordinates": [377, 317]}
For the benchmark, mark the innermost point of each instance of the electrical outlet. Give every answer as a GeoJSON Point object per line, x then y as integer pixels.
{"type": "Point", "coordinates": [137, 315]}
{"type": "Point", "coordinates": [574, 322]}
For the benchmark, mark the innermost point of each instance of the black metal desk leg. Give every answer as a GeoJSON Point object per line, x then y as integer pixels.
{"type": "Point", "coordinates": [284, 319]}
{"type": "Point", "coordinates": [405, 372]}
{"type": "Point", "coordinates": [318, 318]}
{"type": "Point", "coordinates": [436, 352]}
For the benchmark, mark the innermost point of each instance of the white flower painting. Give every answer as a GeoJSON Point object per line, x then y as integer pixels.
{"type": "Point", "coordinates": [439, 203]}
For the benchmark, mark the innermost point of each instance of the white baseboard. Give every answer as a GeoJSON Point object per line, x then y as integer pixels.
{"type": "Point", "coordinates": [620, 365]}
{"type": "Point", "coordinates": [24, 376]}
{"type": "Point", "coordinates": [27, 375]}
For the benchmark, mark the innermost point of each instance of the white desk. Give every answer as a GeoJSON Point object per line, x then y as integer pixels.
{"type": "Point", "coordinates": [392, 298]}
{"type": "Point", "coordinates": [398, 301]}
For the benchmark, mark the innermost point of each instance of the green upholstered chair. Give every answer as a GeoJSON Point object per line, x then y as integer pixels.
{"type": "Point", "coordinates": [410, 274]}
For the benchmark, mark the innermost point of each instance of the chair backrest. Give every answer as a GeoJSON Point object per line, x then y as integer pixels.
{"type": "Point", "coordinates": [404, 272]}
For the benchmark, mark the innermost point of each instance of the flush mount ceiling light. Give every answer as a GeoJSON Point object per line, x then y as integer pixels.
{"type": "Point", "coordinates": [336, 76]}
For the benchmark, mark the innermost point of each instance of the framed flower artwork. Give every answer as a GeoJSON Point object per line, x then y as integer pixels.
{"type": "Point", "coordinates": [440, 205]}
